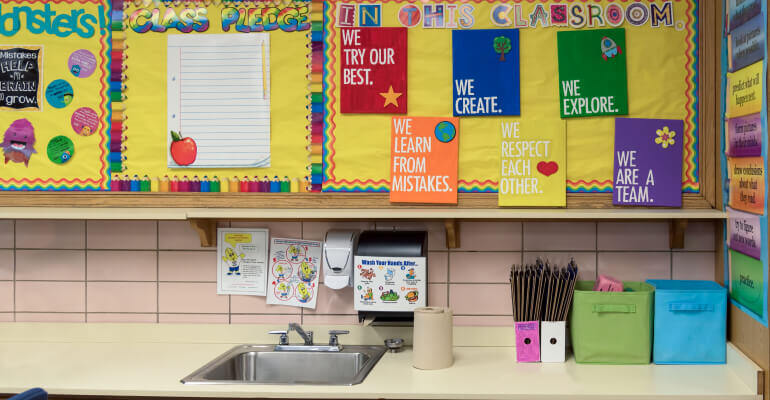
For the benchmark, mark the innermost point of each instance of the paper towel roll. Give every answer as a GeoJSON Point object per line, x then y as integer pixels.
{"type": "Point", "coordinates": [432, 338]}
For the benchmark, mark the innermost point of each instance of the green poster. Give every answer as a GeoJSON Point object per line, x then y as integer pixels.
{"type": "Point", "coordinates": [592, 73]}
{"type": "Point", "coordinates": [747, 282]}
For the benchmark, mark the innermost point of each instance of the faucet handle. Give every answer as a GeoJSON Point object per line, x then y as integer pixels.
{"type": "Point", "coordinates": [333, 339]}
{"type": "Point", "coordinates": [284, 339]}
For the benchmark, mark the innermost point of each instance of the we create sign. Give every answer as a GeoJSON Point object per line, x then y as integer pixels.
{"type": "Point", "coordinates": [648, 162]}
{"type": "Point", "coordinates": [592, 73]}
{"type": "Point", "coordinates": [485, 66]}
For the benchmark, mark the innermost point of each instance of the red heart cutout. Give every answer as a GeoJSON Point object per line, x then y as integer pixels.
{"type": "Point", "coordinates": [547, 168]}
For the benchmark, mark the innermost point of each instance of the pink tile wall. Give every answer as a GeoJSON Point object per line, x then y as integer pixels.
{"type": "Point", "coordinates": [156, 271]}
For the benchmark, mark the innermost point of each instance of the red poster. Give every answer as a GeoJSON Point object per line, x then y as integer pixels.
{"type": "Point", "coordinates": [373, 73]}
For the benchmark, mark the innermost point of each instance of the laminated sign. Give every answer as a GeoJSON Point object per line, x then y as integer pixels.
{"type": "Point", "coordinates": [532, 163]}
{"type": "Point", "coordinates": [423, 163]}
{"type": "Point", "coordinates": [485, 72]}
{"type": "Point", "coordinates": [20, 77]}
{"type": "Point", "coordinates": [592, 73]}
{"type": "Point", "coordinates": [648, 162]}
{"type": "Point", "coordinates": [747, 184]}
{"type": "Point", "coordinates": [373, 70]}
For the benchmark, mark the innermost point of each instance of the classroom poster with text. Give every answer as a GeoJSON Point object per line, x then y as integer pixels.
{"type": "Point", "coordinates": [592, 73]}
{"type": "Point", "coordinates": [648, 162]}
{"type": "Point", "coordinates": [423, 162]}
{"type": "Point", "coordinates": [532, 163]}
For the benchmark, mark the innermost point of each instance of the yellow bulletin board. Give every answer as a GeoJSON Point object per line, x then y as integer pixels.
{"type": "Point", "coordinates": [149, 25]}
{"type": "Point", "coordinates": [59, 65]}
{"type": "Point", "coordinates": [661, 39]}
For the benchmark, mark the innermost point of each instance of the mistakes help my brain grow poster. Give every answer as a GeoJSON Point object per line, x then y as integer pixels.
{"type": "Point", "coordinates": [54, 109]}
{"type": "Point", "coordinates": [659, 51]}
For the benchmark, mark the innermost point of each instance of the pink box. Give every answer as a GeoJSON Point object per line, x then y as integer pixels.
{"type": "Point", "coordinates": [527, 341]}
{"type": "Point", "coordinates": [608, 284]}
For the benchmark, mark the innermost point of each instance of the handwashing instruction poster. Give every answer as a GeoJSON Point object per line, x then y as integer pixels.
{"type": "Point", "coordinates": [294, 268]}
{"type": "Point", "coordinates": [241, 261]}
{"type": "Point", "coordinates": [389, 283]}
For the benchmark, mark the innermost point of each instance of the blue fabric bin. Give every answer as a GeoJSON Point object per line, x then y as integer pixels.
{"type": "Point", "coordinates": [690, 322]}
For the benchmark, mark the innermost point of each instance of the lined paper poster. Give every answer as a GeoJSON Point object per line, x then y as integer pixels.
{"type": "Point", "coordinates": [219, 100]}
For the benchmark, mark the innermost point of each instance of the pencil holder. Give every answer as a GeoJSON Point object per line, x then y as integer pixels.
{"type": "Point", "coordinates": [552, 338]}
{"type": "Point", "coordinates": [612, 327]}
{"type": "Point", "coordinates": [527, 341]}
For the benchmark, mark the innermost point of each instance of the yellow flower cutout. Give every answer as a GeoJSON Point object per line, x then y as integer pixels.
{"type": "Point", "coordinates": [665, 137]}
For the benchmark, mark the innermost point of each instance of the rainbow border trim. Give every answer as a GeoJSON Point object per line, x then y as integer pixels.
{"type": "Point", "coordinates": [117, 131]}
{"type": "Point", "coordinates": [78, 184]}
{"type": "Point", "coordinates": [690, 182]}
{"type": "Point", "coordinates": [316, 96]}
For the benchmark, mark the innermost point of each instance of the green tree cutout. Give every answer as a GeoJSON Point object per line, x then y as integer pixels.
{"type": "Point", "coordinates": [502, 46]}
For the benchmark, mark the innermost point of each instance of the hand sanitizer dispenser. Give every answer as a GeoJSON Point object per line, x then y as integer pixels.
{"type": "Point", "coordinates": [338, 258]}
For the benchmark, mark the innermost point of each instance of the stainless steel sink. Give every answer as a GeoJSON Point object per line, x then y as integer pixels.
{"type": "Point", "coordinates": [262, 364]}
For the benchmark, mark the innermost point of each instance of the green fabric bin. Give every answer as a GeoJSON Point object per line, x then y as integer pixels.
{"type": "Point", "coordinates": [612, 327]}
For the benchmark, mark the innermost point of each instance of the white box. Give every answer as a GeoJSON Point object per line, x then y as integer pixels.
{"type": "Point", "coordinates": [552, 341]}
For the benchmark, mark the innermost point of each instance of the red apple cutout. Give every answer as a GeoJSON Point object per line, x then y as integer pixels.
{"type": "Point", "coordinates": [183, 150]}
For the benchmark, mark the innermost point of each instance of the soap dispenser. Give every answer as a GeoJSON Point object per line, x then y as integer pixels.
{"type": "Point", "coordinates": [339, 247]}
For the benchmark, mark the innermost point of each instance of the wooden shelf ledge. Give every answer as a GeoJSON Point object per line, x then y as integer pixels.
{"type": "Point", "coordinates": [171, 213]}
{"type": "Point", "coordinates": [204, 220]}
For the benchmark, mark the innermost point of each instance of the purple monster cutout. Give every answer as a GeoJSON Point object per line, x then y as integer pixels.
{"type": "Point", "coordinates": [19, 142]}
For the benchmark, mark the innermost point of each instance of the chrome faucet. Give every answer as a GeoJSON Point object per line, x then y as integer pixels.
{"type": "Point", "coordinates": [306, 336]}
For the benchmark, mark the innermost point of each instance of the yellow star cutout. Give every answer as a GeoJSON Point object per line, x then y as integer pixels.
{"type": "Point", "coordinates": [391, 97]}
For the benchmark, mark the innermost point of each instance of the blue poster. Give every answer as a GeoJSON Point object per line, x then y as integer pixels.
{"type": "Point", "coordinates": [485, 79]}
{"type": "Point", "coordinates": [747, 43]}
{"type": "Point", "coordinates": [741, 11]}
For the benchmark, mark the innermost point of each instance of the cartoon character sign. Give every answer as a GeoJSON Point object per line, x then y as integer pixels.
{"type": "Point", "coordinates": [19, 142]}
{"type": "Point", "coordinates": [306, 272]}
{"type": "Point", "coordinates": [293, 252]}
{"type": "Point", "coordinates": [304, 292]}
{"type": "Point", "coordinates": [283, 290]}
{"type": "Point", "coordinates": [411, 274]}
{"type": "Point", "coordinates": [282, 270]}
{"type": "Point", "coordinates": [368, 295]}
{"type": "Point", "coordinates": [233, 261]}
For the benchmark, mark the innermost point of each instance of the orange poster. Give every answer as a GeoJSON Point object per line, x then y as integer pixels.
{"type": "Point", "coordinates": [747, 184]}
{"type": "Point", "coordinates": [423, 160]}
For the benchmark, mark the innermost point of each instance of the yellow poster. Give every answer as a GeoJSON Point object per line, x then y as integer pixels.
{"type": "Point", "coordinates": [661, 65]}
{"type": "Point", "coordinates": [532, 163]}
{"type": "Point", "coordinates": [54, 83]}
{"type": "Point", "coordinates": [217, 89]}
{"type": "Point", "coordinates": [744, 91]}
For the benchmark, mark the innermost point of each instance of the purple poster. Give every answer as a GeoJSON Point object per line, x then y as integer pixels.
{"type": "Point", "coordinates": [744, 233]}
{"type": "Point", "coordinates": [648, 162]}
{"type": "Point", "coordinates": [744, 136]}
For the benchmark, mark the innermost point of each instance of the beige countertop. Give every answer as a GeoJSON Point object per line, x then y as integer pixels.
{"type": "Point", "coordinates": [136, 360]}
